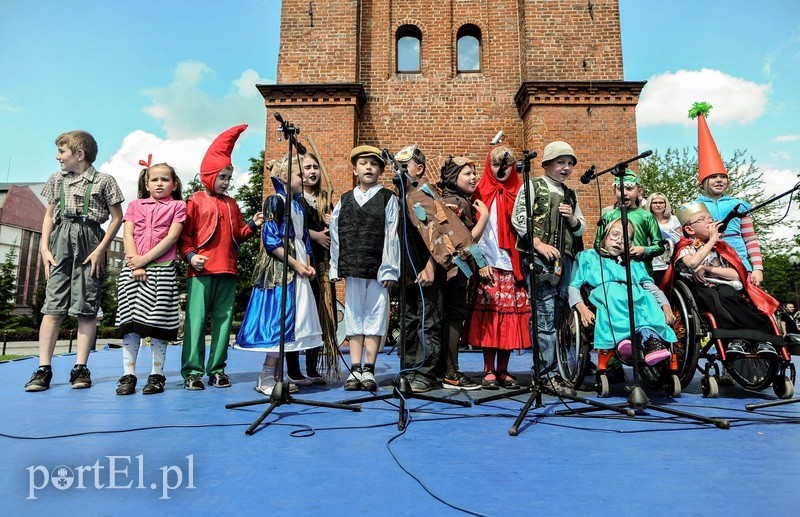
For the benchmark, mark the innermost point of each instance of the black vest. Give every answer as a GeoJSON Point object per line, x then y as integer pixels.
{"type": "Point", "coordinates": [361, 234]}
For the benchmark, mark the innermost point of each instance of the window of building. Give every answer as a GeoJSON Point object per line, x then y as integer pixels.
{"type": "Point", "coordinates": [409, 49]}
{"type": "Point", "coordinates": [469, 49]}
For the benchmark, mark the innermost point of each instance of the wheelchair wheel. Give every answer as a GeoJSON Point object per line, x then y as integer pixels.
{"type": "Point", "coordinates": [709, 386]}
{"type": "Point", "coordinates": [673, 387]}
{"type": "Point", "coordinates": [783, 387]}
{"type": "Point", "coordinates": [602, 386]}
{"type": "Point", "coordinates": [687, 329]}
{"type": "Point", "coordinates": [572, 349]}
{"type": "Point", "coordinates": [753, 372]}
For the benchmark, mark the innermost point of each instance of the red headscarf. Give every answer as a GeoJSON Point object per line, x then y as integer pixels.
{"type": "Point", "coordinates": [504, 193]}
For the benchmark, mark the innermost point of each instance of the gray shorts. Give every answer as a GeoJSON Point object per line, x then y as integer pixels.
{"type": "Point", "coordinates": [71, 289]}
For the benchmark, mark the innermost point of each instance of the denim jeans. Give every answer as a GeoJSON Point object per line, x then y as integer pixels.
{"type": "Point", "coordinates": [550, 302]}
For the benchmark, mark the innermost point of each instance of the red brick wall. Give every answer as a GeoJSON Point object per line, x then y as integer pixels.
{"type": "Point", "coordinates": [524, 42]}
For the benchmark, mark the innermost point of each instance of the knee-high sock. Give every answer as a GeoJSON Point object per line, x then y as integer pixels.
{"type": "Point", "coordinates": [159, 350]}
{"type": "Point", "coordinates": [130, 351]}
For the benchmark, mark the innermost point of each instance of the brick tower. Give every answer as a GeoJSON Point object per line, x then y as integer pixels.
{"type": "Point", "coordinates": [448, 75]}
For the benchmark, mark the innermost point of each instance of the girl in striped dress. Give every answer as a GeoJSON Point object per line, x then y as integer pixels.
{"type": "Point", "coordinates": [147, 288]}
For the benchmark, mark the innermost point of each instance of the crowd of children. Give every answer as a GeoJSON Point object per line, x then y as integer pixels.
{"type": "Point", "coordinates": [460, 249]}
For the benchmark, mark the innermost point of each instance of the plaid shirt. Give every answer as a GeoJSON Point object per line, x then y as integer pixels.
{"type": "Point", "coordinates": [105, 193]}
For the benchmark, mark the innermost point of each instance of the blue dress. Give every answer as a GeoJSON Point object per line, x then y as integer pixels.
{"type": "Point", "coordinates": [719, 209]}
{"type": "Point", "coordinates": [260, 328]}
{"type": "Point", "coordinates": [611, 316]}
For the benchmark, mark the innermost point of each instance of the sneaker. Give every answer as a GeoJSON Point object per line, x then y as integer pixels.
{"type": "Point", "coordinates": [368, 381]}
{"type": "Point", "coordinates": [155, 384]}
{"type": "Point", "coordinates": [419, 386]}
{"type": "Point", "coordinates": [194, 383]}
{"type": "Point", "coordinates": [735, 349]}
{"type": "Point", "coordinates": [765, 349]}
{"type": "Point", "coordinates": [126, 385]}
{"type": "Point", "coordinates": [561, 386]}
{"type": "Point", "coordinates": [40, 380]}
{"type": "Point", "coordinates": [625, 350]}
{"type": "Point", "coordinates": [457, 380]}
{"type": "Point", "coordinates": [353, 382]}
{"type": "Point", "coordinates": [80, 377]}
{"type": "Point", "coordinates": [220, 380]}
{"type": "Point", "coordinates": [655, 351]}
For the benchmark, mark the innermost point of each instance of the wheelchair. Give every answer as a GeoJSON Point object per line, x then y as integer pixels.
{"type": "Point", "coordinates": [699, 338]}
{"type": "Point", "coordinates": [573, 354]}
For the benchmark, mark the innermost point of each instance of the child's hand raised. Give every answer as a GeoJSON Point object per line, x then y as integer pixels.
{"type": "Point", "coordinates": [480, 207]}
{"type": "Point", "coordinates": [258, 218]}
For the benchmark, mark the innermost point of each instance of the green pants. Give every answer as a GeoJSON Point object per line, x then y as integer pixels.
{"type": "Point", "coordinates": [207, 295]}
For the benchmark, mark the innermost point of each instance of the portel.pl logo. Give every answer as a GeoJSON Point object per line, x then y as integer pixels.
{"type": "Point", "coordinates": [112, 473]}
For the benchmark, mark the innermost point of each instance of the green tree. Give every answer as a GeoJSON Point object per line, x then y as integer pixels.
{"type": "Point", "coordinates": [8, 284]}
{"type": "Point", "coordinates": [250, 198]}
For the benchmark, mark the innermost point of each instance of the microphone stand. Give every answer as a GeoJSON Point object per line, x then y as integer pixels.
{"type": "Point", "coordinates": [280, 393]}
{"type": "Point", "coordinates": [637, 399]}
{"type": "Point", "coordinates": [735, 213]}
{"type": "Point", "coordinates": [401, 388]}
{"type": "Point", "coordinates": [538, 385]}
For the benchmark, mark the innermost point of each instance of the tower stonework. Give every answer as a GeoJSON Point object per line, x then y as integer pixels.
{"type": "Point", "coordinates": [549, 70]}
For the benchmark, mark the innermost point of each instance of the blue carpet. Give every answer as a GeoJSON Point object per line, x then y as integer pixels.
{"type": "Point", "coordinates": [184, 452]}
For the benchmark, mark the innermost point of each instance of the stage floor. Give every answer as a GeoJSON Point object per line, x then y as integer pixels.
{"type": "Point", "coordinates": [91, 452]}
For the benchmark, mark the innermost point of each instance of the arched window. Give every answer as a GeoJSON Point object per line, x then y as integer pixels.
{"type": "Point", "coordinates": [469, 48]}
{"type": "Point", "coordinates": [409, 49]}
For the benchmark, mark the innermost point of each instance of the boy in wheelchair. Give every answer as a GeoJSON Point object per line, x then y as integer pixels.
{"type": "Point", "coordinates": [602, 271]}
{"type": "Point", "coordinates": [720, 284]}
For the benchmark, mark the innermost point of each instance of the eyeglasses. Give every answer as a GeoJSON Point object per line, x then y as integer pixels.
{"type": "Point", "coordinates": [701, 219]}
{"type": "Point", "coordinates": [657, 203]}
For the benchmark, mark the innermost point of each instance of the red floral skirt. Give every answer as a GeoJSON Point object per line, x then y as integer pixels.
{"type": "Point", "coordinates": [499, 313]}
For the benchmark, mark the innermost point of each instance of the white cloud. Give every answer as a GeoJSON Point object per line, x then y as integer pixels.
{"type": "Point", "coordinates": [666, 98]}
{"type": "Point", "coordinates": [191, 119]}
{"type": "Point", "coordinates": [186, 111]}
{"type": "Point", "coordinates": [8, 105]}
{"type": "Point", "coordinates": [778, 181]}
{"type": "Point", "coordinates": [184, 155]}
{"type": "Point", "coordinates": [787, 138]}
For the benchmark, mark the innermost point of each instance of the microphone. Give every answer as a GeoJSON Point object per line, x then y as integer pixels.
{"type": "Point", "coordinates": [301, 149]}
{"type": "Point", "coordinates": [497, 138]}
{"type": "Point", "coordinates": [728, 218]}
{"type": "Point", "coordinates": [588, 175]}
{"type": "Point", "coordinates": [501, 169]}
{"type": "Point", "coordinates": [278, 117]}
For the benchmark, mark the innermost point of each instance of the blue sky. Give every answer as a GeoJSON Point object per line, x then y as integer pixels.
{"type": "Point", "coordinates": [166, 76]}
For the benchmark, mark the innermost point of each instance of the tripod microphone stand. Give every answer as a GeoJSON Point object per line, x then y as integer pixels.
{"type": "Point", "coordinates": [538, 384]}
{"type": "Point", "coordinates": [280, 393]}
{"type": "Point", "coordinates": [401, 387]}
{"type": "Point", "coordinates": [736, 213]}
{"type": "Point", "coordinates": [637, 399]}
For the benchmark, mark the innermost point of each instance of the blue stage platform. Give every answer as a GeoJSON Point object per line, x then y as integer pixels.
{"type": "Point", "coordinates": [90, 452]}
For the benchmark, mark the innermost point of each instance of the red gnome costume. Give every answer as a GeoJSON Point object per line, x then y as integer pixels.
{"type": "Point", "coordinates": [210, 243]}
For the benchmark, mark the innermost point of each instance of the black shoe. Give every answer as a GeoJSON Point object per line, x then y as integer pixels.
{"type": "Point", "coordinates": [155, 384]}
{"type": "Point", "coordinates": [457, 380]}
{"type": "Point", "coordinates": [194, 383]}
{"type": "Point", "coordinates": [40, 380]}
{"type": "Point", "coordinates": [220, 380]}
{"type": "Point", "coordinates": [507, 381]}
{"type": "Point", "coordinates": [419, 385]}
{"type": "Point", "coordinates": [735, 349]}
{"type": "Point", "coordinates": [368, 382]}
{"type": "Point", "coordinates": [490, 384]}
{"type": "Point", "coordinates": [126, 385]}
{"type": "Point", "coordinates": [80, 377]}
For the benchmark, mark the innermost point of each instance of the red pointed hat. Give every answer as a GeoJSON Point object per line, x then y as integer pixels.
{"type": "Point", "coordinates": [709, 161]}
{"type": "Point", "coordinates": [218, 155]}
